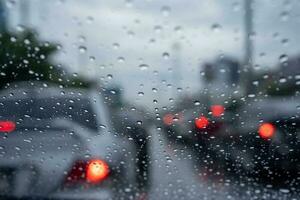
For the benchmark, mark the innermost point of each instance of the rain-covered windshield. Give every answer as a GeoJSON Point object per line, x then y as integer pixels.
{"type": "Point", "coordinates": [156, 99]}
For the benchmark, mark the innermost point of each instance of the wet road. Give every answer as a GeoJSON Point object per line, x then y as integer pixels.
{"type": "Point", "coordinates": [177, 176]}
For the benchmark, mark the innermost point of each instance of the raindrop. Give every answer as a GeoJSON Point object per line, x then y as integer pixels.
{"type": "Point", "coordinates": [10, 3]}
{"type": "Point", "coordinates": [284, 190]}
{"type": "Point", "coordinates": [75, 74]}
{"type": "Point", "coordinates": [90, 19]}
{"type": "Point", "coordinates": [283, 58]}
{"type": "Point", "coordinates": [196, 103]}
{"type": "Point", "coordinates": [285, 41]}
{"type": "Point", "coordinates": [236, 6]}
{"type": "Point", "coordinates": [13, 39]}
{"type": "Point", "coordinates": [121, 59]}
{"type": "Point", "coordinates": [141, 94]}
{"type": "Point", "coordinates": [20, 28]}
{"type": "Point", "coordinates": [82, 49]}
{"type": "Point", "coordinates": [128, 3]}
{"type": "Point", "coordinates": [92, 58]}
{"type": "Point", "coordinates": [282, 80]}
{"type": "Point", "coordinates": [165, 10]}
{"type": "Point", "coordinates": [143, 67]}
{"type": "Point", "coordinates": [284, 16]}
{"type": "Point", "coordinates": [109, 76]}
{"type": "Point", "coordinates": [157, 29]}
{"type": "Point", "coordinates": [166, 55]}
{"type": "Point", "coordinates": [178, 29]}
{"type": "Point", "coordinates": [216, 28]}
{"type": "Point", "coordinates": [116, 45]}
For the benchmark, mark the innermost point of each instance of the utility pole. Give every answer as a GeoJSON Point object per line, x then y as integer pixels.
{"type": "Point", "coordinates": [248, 57]}
{"type": "Point", "coordinates": [176, 69]}
{"type": "Point", "coordinates": [24, 12]}
{"type": "Point", "coordinates": [3, 17]}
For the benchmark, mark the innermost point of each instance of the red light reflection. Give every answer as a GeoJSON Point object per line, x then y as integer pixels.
{"type": "Point", "coordinates": [217, 110]}
{"type": "Point", "coordinates": [7, 126]}
{"type": "Point", "coordinates": [266, 130]}
{"type": "Point", "coordinates": [168, 119]}
{"type": "Point", "coordinates": [97, 170]}
{"type": "Point", "coordinates": [201, 122]}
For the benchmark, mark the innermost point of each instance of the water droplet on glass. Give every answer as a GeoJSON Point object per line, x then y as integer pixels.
{"type": "Point", "coordinates": [165, 10]}
{"type": "Point", "coordinates": [282, 80]}
{"type": "Point", "coordinates": [284, 16]}
{"type": "Point", "coordinates": [109, 76]}
{"type": "Point", "coordinates": [82, 49]}
{"type": "Point", "coordinates": [90, 19]}
{"type": "Point", "coordinates": [116, 45]}
{"type": "Point", "coordinates": [92, 58]}
{"type": "Point", "coordinates": [283, 58]}
{"type": "Point", "coordinates": [143, 66]}
{"type": "Point", "coordinates": [216, 28]}
{"type": "Point", "coordinates": [196, 103]}
{"type": "Point", "coordinates": [141, 94]}
{"type": "Point", "coordinates": [121, 59]}
{"type": "Point", "coordinates": [166, 55]}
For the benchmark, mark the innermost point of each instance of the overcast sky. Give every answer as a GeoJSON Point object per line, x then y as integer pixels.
{"type": "Point", "coordinates": [133, 40]}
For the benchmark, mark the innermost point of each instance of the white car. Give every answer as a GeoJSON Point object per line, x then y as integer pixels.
{"type": "Point", "coordinates": [58, 143]}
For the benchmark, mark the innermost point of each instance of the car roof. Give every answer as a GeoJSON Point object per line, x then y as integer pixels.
{"type": "Point", "coordinates": [268, 110]}
{"type": "Point", "coordinates": [42, 90]}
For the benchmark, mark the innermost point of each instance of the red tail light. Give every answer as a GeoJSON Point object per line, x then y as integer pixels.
{"type": "Point", "coordinates": [97, 170]}
{"type": "Point", "coordinates": [7, 126]}
{"type": "Point", "coordinates": [168, 119]}
{"type": "Point", "coordinates": [201, 122]}
{"type": "Point", "coordinates": [217, 110]}
{"type": "Point", "coordinates": [93, 171]}
{"type": "Point", "coordinates": [266, 130]}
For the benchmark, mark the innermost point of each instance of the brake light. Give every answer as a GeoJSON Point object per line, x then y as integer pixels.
{"type": "Point", "coordinates": [266, 130]}
{"type": "Point", "coordinates": [201, 122]}
{"type": "Point", "coordinates": [97, 170]}
{"type": "Point", "coordinates": [217, 110]}
{"type": "Point", "coordinates": [93, 171]}
{"type": "Point", "coordinates": [168, 119]}
{"type": "Point", "coordinates": [7, 126]}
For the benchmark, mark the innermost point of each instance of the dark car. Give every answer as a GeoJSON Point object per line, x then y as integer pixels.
{"type": "Point", "coordinates": [267, 139]}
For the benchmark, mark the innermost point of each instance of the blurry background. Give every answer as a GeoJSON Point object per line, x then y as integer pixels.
{"type": "Point", "coordinates": [159, 46]}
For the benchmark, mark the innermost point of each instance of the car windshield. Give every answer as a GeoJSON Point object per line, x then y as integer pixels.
{"type": "Point", "coordinates": [150, 99]}
{"type": "Point", "coordinates": [78, 110]}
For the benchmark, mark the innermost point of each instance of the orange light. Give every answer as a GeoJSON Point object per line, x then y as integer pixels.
{"type": "Point", "coordinates": [168, 119]}
{"type": "Point", "coordinates": [217, 110]}
{"type": "Point", "coordinates": [96, 171]}
{"type": "Point", "coordinates": [266, 130]}
{"type": "Point", "coordinates": [7, 126]}
{"type": "Point", "coordinates": [201, 122]}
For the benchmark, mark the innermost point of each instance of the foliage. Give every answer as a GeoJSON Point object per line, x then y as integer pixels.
{"type": "Point", "coordinates": [23, 57]}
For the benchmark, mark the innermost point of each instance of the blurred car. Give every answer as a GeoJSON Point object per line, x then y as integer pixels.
{"type": "Point", "coordinates": [198, 125]}
{"type": "Point", "coordinates": [58, 143]}
{"type": "Point", "coordinates": [268, 137]}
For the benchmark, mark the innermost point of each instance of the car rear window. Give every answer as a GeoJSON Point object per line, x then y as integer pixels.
{"type": "Point", "coordinates": [78, 110]}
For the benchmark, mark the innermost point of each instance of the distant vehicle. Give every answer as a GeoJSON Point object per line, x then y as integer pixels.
{"type": "Point", "coordinates": [198, 125]}
{"type": "Point", "coordinates": [210, 114]}
{"type": "Point", "coordinates": [58, 143]}
{"type": "Point", "coordinates": [267, 138]}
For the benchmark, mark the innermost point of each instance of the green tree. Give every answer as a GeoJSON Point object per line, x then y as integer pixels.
{"type": "Point", "coordinates": [24, 57]}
